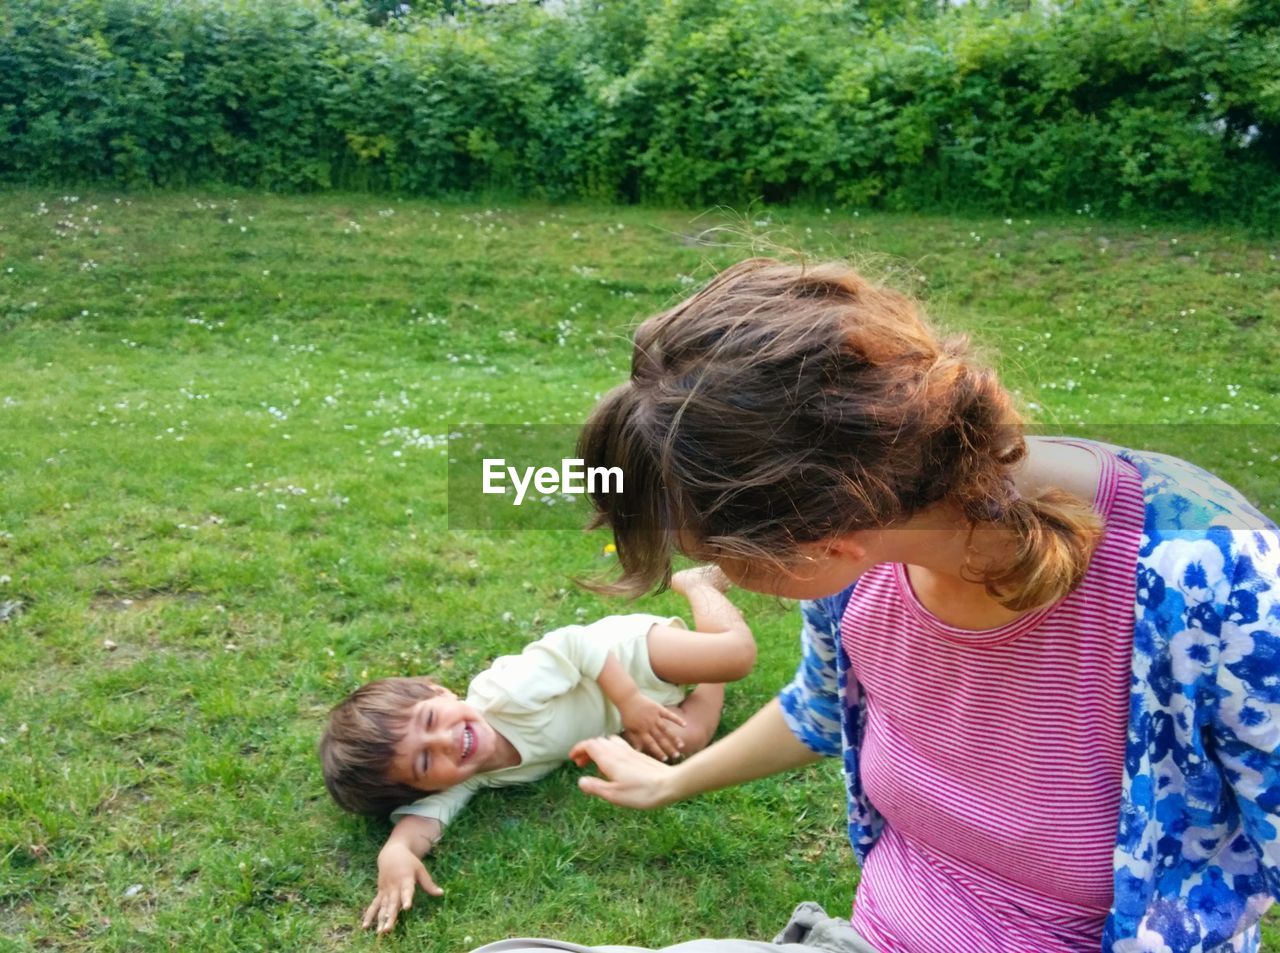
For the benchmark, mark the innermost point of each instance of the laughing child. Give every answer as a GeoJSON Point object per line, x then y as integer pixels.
{"type": "Point", "coordinates": [411, 748]}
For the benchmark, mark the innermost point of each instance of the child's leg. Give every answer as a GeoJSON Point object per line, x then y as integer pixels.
{"type": "Point", "coordinates": [706, 660]}
{"type": "Point", "coordinates": [682, 657]}
{"type": "Point", "coordinates": [701, 713]}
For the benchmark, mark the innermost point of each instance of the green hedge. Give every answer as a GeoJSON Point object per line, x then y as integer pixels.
{"type": "Point", "coordinates": [1166, 107]}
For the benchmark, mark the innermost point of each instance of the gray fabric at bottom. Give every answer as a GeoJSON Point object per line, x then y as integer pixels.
{"type": "Point", "coordinates": [809, 925]}
{"type": "Point", "coordinates": [808, 931]}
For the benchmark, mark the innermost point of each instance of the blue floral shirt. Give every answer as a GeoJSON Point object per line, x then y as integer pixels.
{"type": "Point", "coordinates": [1197, 857]}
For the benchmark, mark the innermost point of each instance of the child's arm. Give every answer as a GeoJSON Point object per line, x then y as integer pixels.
{"type": "Point", "coordinates": [721, 650]}
{"type": "Point", "coordinates": [649, 722]}
{"type": "Point", "coordinates": [400, 869]}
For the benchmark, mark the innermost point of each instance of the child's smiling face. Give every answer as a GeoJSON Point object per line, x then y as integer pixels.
{"type": "Point", "coordinates": [445, 742]}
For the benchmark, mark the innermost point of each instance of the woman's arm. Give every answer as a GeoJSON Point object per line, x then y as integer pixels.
{"type": "Point", "coordinates": [764, 745]}
{"type": "Point", "coordinates": [1246, 725]}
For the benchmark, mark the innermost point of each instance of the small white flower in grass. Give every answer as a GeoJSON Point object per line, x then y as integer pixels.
{"type": "Point", "coordinates": [133, 890]}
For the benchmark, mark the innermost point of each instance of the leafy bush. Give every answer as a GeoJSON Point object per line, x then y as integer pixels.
{"type": "Point", "coordinates": [1168, 107]}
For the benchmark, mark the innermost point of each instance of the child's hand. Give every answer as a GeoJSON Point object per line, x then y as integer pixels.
{"type": "Point", "coordinates": [651, 727]}
{"type": "Point", "coordinates": [686, 580]}
{"type": "Point", "coordinates": [399, 871]}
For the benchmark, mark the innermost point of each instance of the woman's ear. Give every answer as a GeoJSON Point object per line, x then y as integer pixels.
{"type": "Point", "coordinates": [848, 548]}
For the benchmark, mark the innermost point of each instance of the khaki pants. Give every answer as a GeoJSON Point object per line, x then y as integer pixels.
{"type": "Point", "coordinates": [810, 930]}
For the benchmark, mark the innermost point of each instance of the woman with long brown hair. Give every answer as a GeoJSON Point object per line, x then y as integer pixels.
{"type": "Point", "coordinates": [1051, 666]}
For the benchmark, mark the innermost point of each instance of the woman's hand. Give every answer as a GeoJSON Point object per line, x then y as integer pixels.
{"type": "Point", "coordinates": [757, 749]}
{"type": "Point", "coordinates": [630, 778]}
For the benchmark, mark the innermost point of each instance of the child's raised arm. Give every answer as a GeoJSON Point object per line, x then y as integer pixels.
{"type": "Point", "coordinates": [400, 870]}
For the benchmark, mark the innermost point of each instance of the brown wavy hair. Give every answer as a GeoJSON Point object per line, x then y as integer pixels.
{"type": "Point", "coordinates": [786, 404]}
{"type": "Point", "coordinates": [359, 743]}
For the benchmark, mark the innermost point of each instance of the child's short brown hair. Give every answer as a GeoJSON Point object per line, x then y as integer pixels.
{"type": "Point", "coordinates": [358, 745]}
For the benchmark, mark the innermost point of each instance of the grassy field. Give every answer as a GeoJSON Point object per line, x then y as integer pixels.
{"type": "Point", "coordinates": [223, 471]}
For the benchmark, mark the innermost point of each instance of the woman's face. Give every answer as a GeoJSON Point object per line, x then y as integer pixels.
{"type": "Point", "coordinates": [819, 569]}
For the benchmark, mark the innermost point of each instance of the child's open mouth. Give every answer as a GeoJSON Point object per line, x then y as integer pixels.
{"type": "Point", "coordinates": [468, 742]}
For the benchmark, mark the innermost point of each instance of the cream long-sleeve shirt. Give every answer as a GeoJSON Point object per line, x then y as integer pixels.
{"type": "Point", "coordinates": [546, 699]}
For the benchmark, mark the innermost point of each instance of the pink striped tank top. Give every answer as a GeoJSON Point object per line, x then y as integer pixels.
{"type": "Point", "coordinates": [995, 756]}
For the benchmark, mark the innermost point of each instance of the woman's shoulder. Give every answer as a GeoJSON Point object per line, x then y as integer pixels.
{"type": "Point", "coordinates": [1186, 504]}
{"type": "Point", "coordinates": [1182, 496]}
{"type": "Point", "coordinates": [824, 614]}
{"type": "Point", "coordinates": [1208, 565]}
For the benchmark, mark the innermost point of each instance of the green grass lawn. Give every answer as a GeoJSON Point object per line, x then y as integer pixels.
{"type": "Point", "coordinates": [222, 424]}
